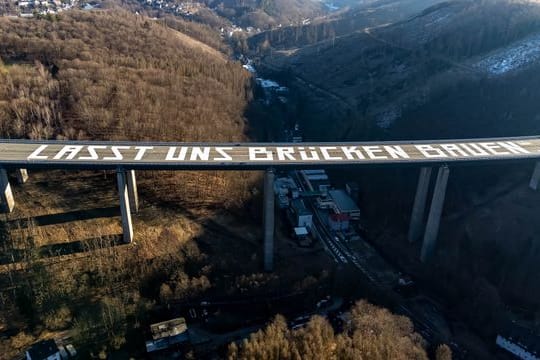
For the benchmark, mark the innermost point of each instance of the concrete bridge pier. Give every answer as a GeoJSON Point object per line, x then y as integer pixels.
{"type": "Point", "coordinates": [132, 190]}
{"type": "Point", "coordinates": [125, 211]}
{"type": "Point", "coordinates": [419, 207]}
{"type": "Point", "coordinates": [22, 176]}
{"type": "Point", "coordinates": [6, 195]}
{"type": "Point", "coordinates": [535, 178]}
{"type": "Point", "coordinates": [268, 215]}
{"type": "Point", "coordinates": [435, 212]}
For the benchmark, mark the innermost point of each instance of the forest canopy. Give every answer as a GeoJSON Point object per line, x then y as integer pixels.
{"type": "Point", "coordinates": [112, 75]}
{"type": "Point", "coordinates": [370, 333]}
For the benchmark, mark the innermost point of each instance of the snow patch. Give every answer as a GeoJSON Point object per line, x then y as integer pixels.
{"type": "Point", "coordinates": [515, 56]}
{"type": "Point", "coordinates": [267, 84]}
{"type": "Point", "coordinates": [331, 6]}
{"type": "Point", "coordinates": [249, 68]}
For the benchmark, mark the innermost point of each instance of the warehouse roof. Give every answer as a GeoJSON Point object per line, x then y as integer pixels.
{"type": "Point", "coordinates": [343, 201]}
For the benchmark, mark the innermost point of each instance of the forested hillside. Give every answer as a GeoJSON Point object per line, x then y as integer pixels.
{"type": "Point", "coordinates": [257, 14]}
{"type": "Point", "coordinates": [459, 69]}
{"type": "Point", "coordinates": [113, 75]}
{"type": "Point", "coordinates": [400, 80]}
{"type": "Point", "coordinates": [265, 14]}
{"type": "Point", "coordinates": [341, 23]}
{"type": "Point", "coordinates": [99, 66]}
{"type": "Point", "coordinates": [461, 29]}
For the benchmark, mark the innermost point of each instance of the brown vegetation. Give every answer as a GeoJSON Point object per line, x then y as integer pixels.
{"type": "Point", "coordinates": [264, 14]}
{"type": "Point", "coordinates": [370, 333]}
{"type": "Point", "coordinates": [112, 75]}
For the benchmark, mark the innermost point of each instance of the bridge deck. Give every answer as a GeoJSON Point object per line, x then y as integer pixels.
{"type": "Point", "coordinates": [246, 156]}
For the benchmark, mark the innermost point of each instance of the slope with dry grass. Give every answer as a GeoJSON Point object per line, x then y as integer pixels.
{"type": "Point", "coordinates": [112, 75]}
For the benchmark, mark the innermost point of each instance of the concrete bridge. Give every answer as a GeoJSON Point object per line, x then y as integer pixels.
{"type": "Point", "coordinates": [126, 157]}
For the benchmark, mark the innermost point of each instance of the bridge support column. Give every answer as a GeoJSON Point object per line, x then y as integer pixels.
{"type": "Point", "coordinates": [435, 212]}
{"type": "Point", "coordinates": [419, 207]}
{"type": "Point", "coordinates": [268, 213]}
{"type": "Point", "coordinates": [125, 212]}
{"type": "Point", "coordinates": [132, 190]}
{"type": "Point", "coordinates": [6, 195]}
{"type": "Point", "coordinates": [22, 176]}
{"type": "Point", "coordinates": [535, 178]}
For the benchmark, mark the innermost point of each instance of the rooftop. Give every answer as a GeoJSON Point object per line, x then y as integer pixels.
{"type": "Point", "coordinates": [43, 349]}
{"type": "Point", "coordinates": [343, 201]}
{"type": "Point", "coordinates": [168, 328]}
{"type": "Point", "coordinates": [298, 206]}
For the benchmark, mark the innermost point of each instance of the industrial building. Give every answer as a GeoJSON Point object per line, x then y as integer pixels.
{"type": "Point", "coordinates": [344, 204]}
{"type": "Point", "coordinates": [325, 202]}
{"type": "Point", "coordinates": [301, 235]}
{"type": "Point", "coordinates": [316, 180]}
{"type": "Point", "coordinates": [285, 189]}
{"type": "Point", "coordinates": [299, 214]}
{"type": "Point", "coordinates": [338, 222]}
{"type": "Point", "coordinates": [285, 186]}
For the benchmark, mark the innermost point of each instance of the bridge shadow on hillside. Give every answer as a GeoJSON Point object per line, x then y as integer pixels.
{"type": "Point", "coordinates": [60, 249]}
{"type": "Point", "coordinates": [65, 217]}
{"type": "Point", "coordinates": [209, 224]}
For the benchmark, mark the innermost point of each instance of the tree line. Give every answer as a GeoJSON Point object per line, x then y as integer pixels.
{"type": "Point", "coordinates": [369, 332]}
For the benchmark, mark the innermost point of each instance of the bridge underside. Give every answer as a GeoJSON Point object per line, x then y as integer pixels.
{"type": "Point", "coordinates": [129, 204]}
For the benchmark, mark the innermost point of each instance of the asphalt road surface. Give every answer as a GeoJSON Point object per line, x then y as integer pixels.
{"type": "Point", "coordinates": [133, 155]}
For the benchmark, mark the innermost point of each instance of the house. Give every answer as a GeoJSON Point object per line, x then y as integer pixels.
{"type": "Point", "coordinates": [519, 341]}
{"type": "Point", "coordinates": [43, 350]}
{"type": "Point", "coordinates": [301, 235]}
{"type": "Point", "coordinates": [167, 333]}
